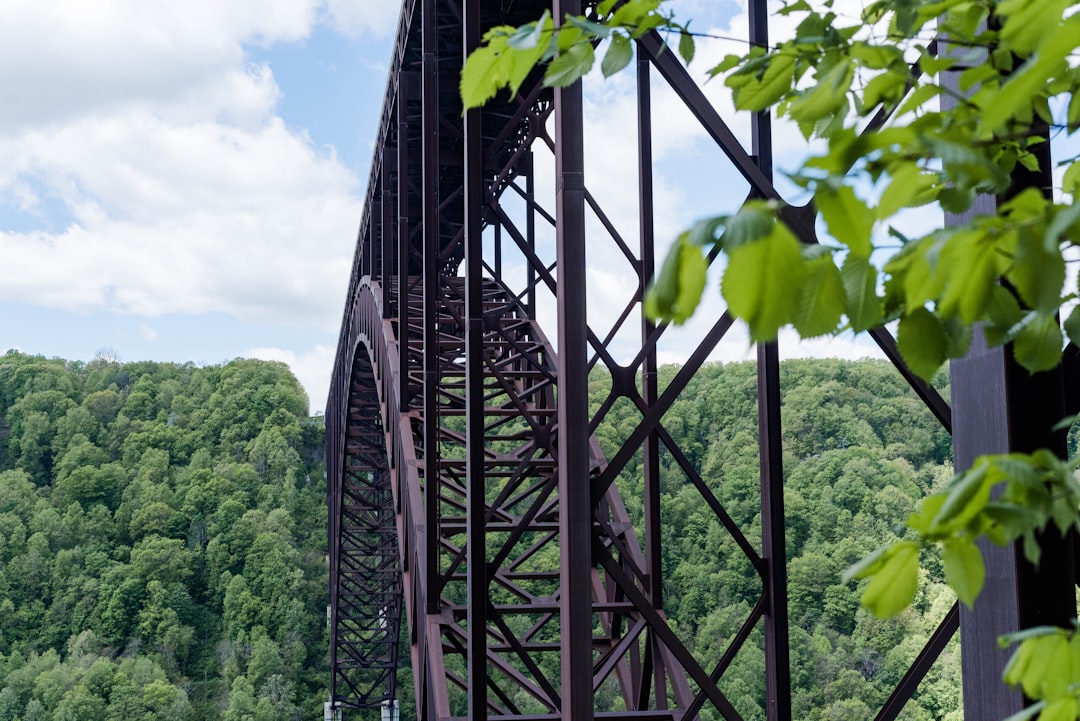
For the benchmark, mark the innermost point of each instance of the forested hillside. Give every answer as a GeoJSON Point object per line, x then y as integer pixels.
{"type": "Point", "coordinates": [162, 542]}
{"type": "Point", "coordinates": [860, 451]}
{"type": "Point", "coordinates": [162, 538]}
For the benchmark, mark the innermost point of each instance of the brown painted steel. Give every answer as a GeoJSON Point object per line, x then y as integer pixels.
{"type": "Point", "coordinates": [465, 480]}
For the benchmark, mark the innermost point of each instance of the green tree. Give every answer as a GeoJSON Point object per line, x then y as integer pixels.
{"type": "Point", "coordinates": [118, 513]}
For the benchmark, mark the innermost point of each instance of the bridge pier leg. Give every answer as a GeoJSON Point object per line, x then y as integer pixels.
{"type": "Point", "coordinates": [575, 517]}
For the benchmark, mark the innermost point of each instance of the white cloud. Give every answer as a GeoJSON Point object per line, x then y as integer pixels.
{"type": "Point", "coordinates": [355, 18]}
{"type": "Point", "coordinates": [312, 369]}
{"type": "Point", "coordinates": [59, 59]}
{"type": "Point", "coordinates": [148, 333]}
{"type": "Point", "coordinates": [185, 218]}
{"type": "Point", "coordinates": [185, 192]}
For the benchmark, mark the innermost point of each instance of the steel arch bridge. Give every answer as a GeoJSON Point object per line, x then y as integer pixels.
{"type": "Point", "coordinates": [467, 491]}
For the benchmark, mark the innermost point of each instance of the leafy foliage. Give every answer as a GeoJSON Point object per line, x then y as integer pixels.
{"type": "Point", "coordinates": [1000, 79]}
{"type": "Point", "coordinates": [162, 534]}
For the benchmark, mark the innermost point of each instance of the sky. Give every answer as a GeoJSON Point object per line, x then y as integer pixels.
{"type": "Point", "coordinates": [181, 180]}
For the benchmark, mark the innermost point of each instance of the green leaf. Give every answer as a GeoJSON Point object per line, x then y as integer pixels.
{"type": "Point", "coordinates": [1005, 640]}
{"type": "Point", "coordinates": [829, 96]}
{"type": "Point", "coordinates": [1074, 650]}
{"type": "Point", "coordinates": [959, 335]}
{"type": "Point", "coordinates": [909, 187]}
{"type": "Point", "coordinates": [1005, 315]}
{"type": "Point", "coordinates": [686, 47]}
{"type": "Point", "coordinates": [569, 65]}
{"type": "Point", "coordinates": [1072, 325]}
{"type": "Point", "coordinates": [479, 79]}
{"type": "Point", "coordinates": [1038, 272]}
{"type": "Point", "coordinates": [1041, 663]}
{"type": "Point", "coordinates": [1047, 673]}
{"type": "Point", "coordinates": [874, 56]}
{"type": "Point", "coordinates": [964, 569]}
{"type": "Point", "coordinates": [1026, 22]}
{"type": "Point", "coordinates": [756, 92]}
{"type": "Point", "coordinates": [1061, 227]}
{"type": "Point", "coordinates": [1015, 96]}
{"type": "Point", "coordinates": [860, 287]}
{"type": "Point", "coordinates": [868, 565]}
{"type": "Point", "coordinates": [922, 520]}
{"type": "Point", "coordinates": [972, 77]}
{"type": "Point", "coordinates": [633, 12]}
{"type": "Point", "coordinates": [1019, 662]}
{"type": "Point", "coordinates": [914, 271]}
{"type": "Point", "coordinates": [1038, 344]}
{"type": "Point", "coordinates": [886, 87]}
{"type": "Point", "coordinates": [1027, 713]}
{"type": "Point", "coordinates": [918, 98]}
{"type": "Point", "coordinates": [969, 269]}
{"type": "Point", "coordinates": [821, 298]}
{"type": "Point", "coordinates": [970, 167]}
{"type": "Point", "coordinates": [1069, 180]}
{"type": "Point", "coordinates": [966, 19]}
{"type": "Point", "coordinates": [934, 64]}
{"type": "Point", "coordinates": [676, 293]}
{"type": "Point", "coordinates": [618, 55]}
{"type": "Point", "coordinates": [1012, 521]}
{"type": "Point", "coordinates": [703, 232]}
{"type": "Point", "coordinates": [528, 36]}
{"type": "Point", "coordinates": [1032, 549]}
{"type": "Point", "coordinates": [1063, 511]}
{"type": "Point", "coordinates": [729, 62]}
{"type": "Point", "coordinates": [966, 496]}
{"type": "Point", "coordinates": [893, 586]}
{"type": "Point", "coordinates": [754, 221]}
{"type": "Point", "coordinates": [597, 30]}
{"type": "Point", "coordinates": [922, 342]}
{"type": "Point", "coordinates": [526, 58]}
{"type": "Point", "coordinates": [1063, 709]}
{"type": "Point", "coordinates": [848, 218]}
{"type": "Point", "coordinates": [762, 280]}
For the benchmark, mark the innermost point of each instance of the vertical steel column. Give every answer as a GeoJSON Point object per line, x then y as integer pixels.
{"type": "Point", "coordinates": [530, 232]}
{"type": "Point", "coordinates": [575, 511]}
{"type": "Point", "coordinates": [475, 496]}
{"type": "Point", "coordinates": [367, 235]}
{"type": "Point", "coordinates": [386, 235]}
{"type": "Point", "coordinates": [999, 407]}
{"type": "Point", "coordinates": [651, 447]}
{"type": "Point", "coordinates": [773, 546]}
{"type": "Point", "coordinates": [431, 271]}
{"type": "Point", "coordinates": [335, 470]}
{"type": "Point", "coordinates": [406, 92]}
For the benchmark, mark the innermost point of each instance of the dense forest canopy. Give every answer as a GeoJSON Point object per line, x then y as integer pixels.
{"type": "Point", "coordinates": [163, 537]}
{"type": "Point", "coordinates": [162, 542]}
{"type": "Point", "coordinates": [860, 451]}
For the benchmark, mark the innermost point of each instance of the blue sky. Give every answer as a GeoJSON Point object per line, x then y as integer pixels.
{"type": "Point", "coordinates": [182, 179]}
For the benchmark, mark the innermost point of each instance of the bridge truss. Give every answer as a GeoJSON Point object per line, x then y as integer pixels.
{"type": "Point", "coordinates": [467, 491]}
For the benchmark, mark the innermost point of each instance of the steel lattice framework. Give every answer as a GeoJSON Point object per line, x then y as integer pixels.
{"type": "Point", "coordinates": [466, 485]}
